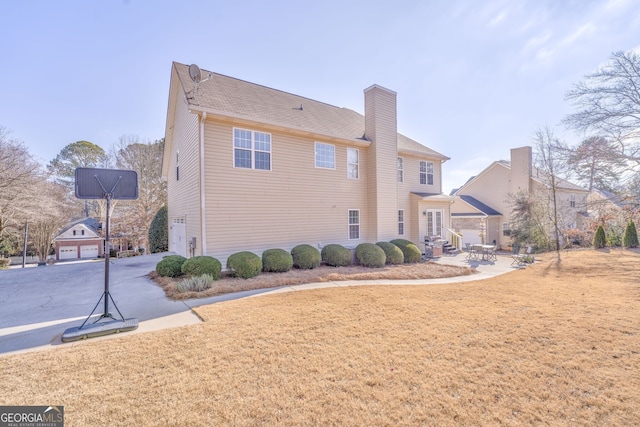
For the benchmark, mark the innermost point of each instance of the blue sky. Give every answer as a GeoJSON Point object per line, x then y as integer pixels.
{"type": "Point", "coordinates": [474, 78]}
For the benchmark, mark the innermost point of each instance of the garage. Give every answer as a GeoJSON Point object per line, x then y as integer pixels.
{"type": "Point", "coordinates": [68, 252]}
{"type": "Point", "coordinates": [89, 251]}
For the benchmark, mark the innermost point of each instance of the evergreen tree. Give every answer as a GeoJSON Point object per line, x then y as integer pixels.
{"type": "Point", "coordinates": [599, 240]}
{"type": "Point", "coordinates": [159, 232]}
{"type": "Point", "coordinates": [630, 239]}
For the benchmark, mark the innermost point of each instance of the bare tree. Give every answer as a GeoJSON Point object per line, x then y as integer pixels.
{"type": "Point", "coordinates": [48, 215]}
{"type": "Point", "coordinates": [608, 104]}
{"type": "Point", "coordinates": [135, 216]}
{"type": "Point", "coordinates": [596, 163]}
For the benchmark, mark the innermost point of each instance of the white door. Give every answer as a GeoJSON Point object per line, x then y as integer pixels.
{"type": "Point", "coordinates": [435, 226]}
{"type": "Point", "coordinates": [178, 237]}
{"type": "Point", "coordinates": [89, 251]}
{"type": "Point", "coordinates": [68, 252]}
{"type": "Point", "coordinates": [471, 236]}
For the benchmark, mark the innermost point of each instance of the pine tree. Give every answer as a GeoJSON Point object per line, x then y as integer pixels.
{"type": "Point", "coordinates": [599, 240]}
{"type": "Point", "coordinates": [630, 238]}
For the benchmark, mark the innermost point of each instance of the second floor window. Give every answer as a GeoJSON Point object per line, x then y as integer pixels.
{"type": "Point", "coordinates": [325, 156]}
{"type": "Point", "coordinates": [353, 162]}
{"type": "Point", "coordinates": [426, 173]}
{"type": "Point", "coordinates": [251, 150]}
{"type": "Point", "coordinates": [400, 169]}
{"type": "Point", "coordinates": [572, 201]}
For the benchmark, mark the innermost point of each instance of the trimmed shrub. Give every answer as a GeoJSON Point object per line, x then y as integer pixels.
{"type": "Point", "coordinates": [196, 283]}
{"type": "Point", "coordinates": [370, 255]}
{"type": "Point", "coordinates": [630, 239]}
{"type": "Point", "coordinates": [4, 263]}
{"type": "Point", "coordinates": [170, 266]}
{"type": "Point", "coordinates": [410, 251]}
{"type": "Point", "coordinates": [199, 265]}
{"type": "Point", "coordinates": [392, 252]}
{"type": "Point", "coordinates": [599, 240]}
{"type": "Point", "coordinates": [305, 257]}
{"type": "Point", "coordinates": [244, 264]}
{"type": "Point", "coordinates": [336, 255]}
{"type": "Point", "coordinates": [159, 232]}
{"type": "Point", "coordinates": [276, 260]}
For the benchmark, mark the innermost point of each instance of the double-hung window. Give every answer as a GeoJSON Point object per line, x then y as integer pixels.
{"type": "Point", "coordinates": [251, 149]}
{"type": "Point", "coordinates": [353, 162]}
{"type": "Point", "coordinates": [572, 200]}
{"type": "Point", "coordinates": [354, 224]}
{"type": "Point", "coordinates": [325, 156]}
{"type": "Point", "coordinates": [401, 222]}
{"type": "Point", "coordinates": [400, 167]}
{"type": "Point", "coordinates": [426, 173]}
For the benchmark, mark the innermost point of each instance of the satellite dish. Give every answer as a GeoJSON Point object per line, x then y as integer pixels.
{"type": "Point", "coordinates": [195, 73]}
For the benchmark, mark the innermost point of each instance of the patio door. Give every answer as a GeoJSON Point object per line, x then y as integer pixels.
{"type": "Point", "coordinates": [435, 226]}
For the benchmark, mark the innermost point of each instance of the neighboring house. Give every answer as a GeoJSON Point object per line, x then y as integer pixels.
{"type": "Point", "coordinates": [252, 168]}
{"type": "Point", "coordinates": [611, 210]}
{"type": "Point", "coordinates": [79, 239]}
{"type": "Point", "coordinates": [483, 205]}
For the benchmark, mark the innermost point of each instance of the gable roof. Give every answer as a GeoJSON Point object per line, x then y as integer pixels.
{"type": "Point", "coordinates": [477, 204]}
{"type": "Point", "coordinates": [237, 99]}
{"type": "Point", "coordinates": [89, 224]}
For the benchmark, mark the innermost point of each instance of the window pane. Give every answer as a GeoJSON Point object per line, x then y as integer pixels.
{"type": "Point", "coordinates": [423, 166]}
{"type": "Point", "coordinates": [352, 155]}
{"type": "Point", "coordinates": [353, 171]}
{"type": "Point", "coordinates": [241, 138]}
{"type": "Point", "coordinates": [263, 160]}
{"type": "Point", "coordinates": [242, 158]}
{"type": "Point", "coordinates": [262, 141]}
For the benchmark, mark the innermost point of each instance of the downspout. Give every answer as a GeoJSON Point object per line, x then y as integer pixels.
{"type": "Point", "coordinates": [203, 208]}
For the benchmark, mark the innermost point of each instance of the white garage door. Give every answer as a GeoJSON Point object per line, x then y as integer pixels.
{"type": "Point", "coordinates": [471, 236]}
{"type": "Point", "coordinates": [68, 252]}
{"type": "Point", "coordinates": [89, 251]}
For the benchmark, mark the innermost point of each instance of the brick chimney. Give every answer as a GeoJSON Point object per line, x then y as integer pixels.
{"type": "Point", "coordinates": [381, 129]}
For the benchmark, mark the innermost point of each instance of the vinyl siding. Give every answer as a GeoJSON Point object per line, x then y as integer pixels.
{"type": "Point", "coordinates": [184, 194]}
{"type": "Point", "coordinates": [291, 204]}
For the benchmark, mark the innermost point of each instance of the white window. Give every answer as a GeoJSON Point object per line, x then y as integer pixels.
{"type": "Point", "coordinates": [177, 166]}
{"type": "Point", "coordinates": [251, 150]}
{"type": "Point", "coordinates": [426, 173]}
{"type": "Point", "coordinates": [401, 222]}
{"type": "Point", "coordinates": [506, 229]}
{"type": "Point", "coordinates": [572, 201]}
{"type": "Point", "coordinates": [400, 169]}
{"type": "Point", "coordinates": [353, 162]}
{"type": "Point", "coordinates": [325, 156]}
{"type": "Point", "coordinates": [354, 224]}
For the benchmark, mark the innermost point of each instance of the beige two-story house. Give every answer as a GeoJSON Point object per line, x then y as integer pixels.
{"type": "Point", "coordinates": [483, 206]}
{"type": "Point", "coordinates": [251, 168]}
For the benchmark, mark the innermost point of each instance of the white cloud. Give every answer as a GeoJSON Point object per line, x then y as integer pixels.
{"type": "Point", "coordinates": [498, 18]}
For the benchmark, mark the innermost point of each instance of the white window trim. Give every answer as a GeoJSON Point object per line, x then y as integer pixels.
{"type": "Point", "coordinates": [426, 172]}
{"type": "Point", "coordinates": [349, 224]}
{"type": "Point", "coordinates": [357, 164]}
{"type": "Point", "coordinates": [253, 150]}
{"type": "Point", "coordinates": [401, 221]}
{"type": "Point", "coordinates": [400, 169]}
{"type": "Point", "coordinates": [315, 155]}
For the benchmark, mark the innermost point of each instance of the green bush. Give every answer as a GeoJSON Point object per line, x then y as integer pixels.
{"type": "Point", "coordinates": [276, 260]}
{"type": "Point", "coordinates": [170, 266]}
{"type": "Point", "coordinates": [244, 264]}
{"type": "Point", "coordinates": [599, 240]}
{"type": "Point", "coordinates": [196, 283]}
{"type": "Point", "coordinates": [630, 239]}
{"type": "Point", "coordinates": [370, 255]}
{"type": "Point", "coordinates": [336, 255]}
{"type": "Point", "coordinates": [392, 252]}
{"type": "Point", "coordinates": [199, 265]}
{"type": "Point", "coordinates": [159, 232]}
{"type": "Point", "coordinates": [410, 251]}
{"type": "Point", "coordinates": [305, 257]}
{"type": "Point", "coordinates": [4, 263]}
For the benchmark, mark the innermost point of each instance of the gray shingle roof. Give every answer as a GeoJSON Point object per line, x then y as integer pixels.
{"type": "Point", "coordinates": [487, 210]}
{"type": "Point", "coordinates": [237, 98]}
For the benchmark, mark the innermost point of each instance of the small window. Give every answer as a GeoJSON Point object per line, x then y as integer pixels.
{"type": "Point", "coordinates": [251, 150]}
{"type": "Point", "coordinates": [325, 156]}
{"type": "Point", "coordinates": [354, 224]}
{"type": "Point", "coordinates": [74, 232]}
{"type": "Point", "coordinates": [506, 229]}
{"type": "Point", "coordinates": [400, 167]}
{"type": "Point", "coordinates": [82, 232]}
{"type": "Point", "coordinates": [401, 222]}
{"type": "Point", "coordinates": [177, 166]}
{"type": "Point", "coordinates": [353, 162]}
{"type": "Point", "coordinates": [572, 201]}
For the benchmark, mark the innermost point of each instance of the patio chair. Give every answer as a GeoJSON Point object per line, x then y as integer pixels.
{"type": "Point", "coordinates": [491, 254]}
{"type": "Point", "coordinates": [471, 252]}
{"type": "Point", "coordinates": [521, 257]}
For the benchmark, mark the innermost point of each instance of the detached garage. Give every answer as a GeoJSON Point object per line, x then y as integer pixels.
{"type": "Point", "coordinates": [79, 240]}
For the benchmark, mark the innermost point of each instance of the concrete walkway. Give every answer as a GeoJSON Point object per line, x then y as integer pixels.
{"type": "Point", "coordinates": [188, 317]}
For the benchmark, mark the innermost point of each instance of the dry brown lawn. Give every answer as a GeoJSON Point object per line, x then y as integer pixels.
{"type": "Point", "coordinates": [557, 343]}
